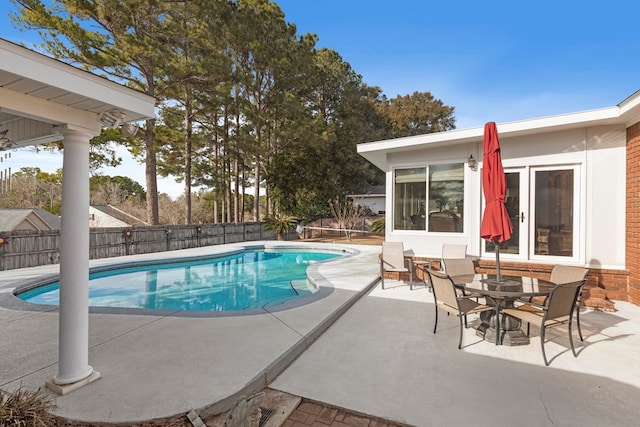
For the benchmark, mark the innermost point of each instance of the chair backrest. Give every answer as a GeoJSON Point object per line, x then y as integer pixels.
{"type": "Point", "coordinates": [567, 274]}
{"type": "Point", "coordinates": [393, 255]}
{"type": "Point", "coordinates": [444, 290]}
{"type": "Point", "coordinates": [450, 251]}
{"type": "Point", "coordinates": [562, 300]}
{"type": "Point", "coordinates": [458, 266]}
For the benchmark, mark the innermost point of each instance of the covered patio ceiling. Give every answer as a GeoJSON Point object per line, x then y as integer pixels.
{"type": "Point", "coordinates": [40, 97]}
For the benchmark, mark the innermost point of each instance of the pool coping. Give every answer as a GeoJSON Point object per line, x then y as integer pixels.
{"type": "Point", "coordinates": [9, 299]}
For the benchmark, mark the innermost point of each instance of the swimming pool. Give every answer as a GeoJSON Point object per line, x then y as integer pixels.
{"type": "Point", "coordinates": [244, 281]}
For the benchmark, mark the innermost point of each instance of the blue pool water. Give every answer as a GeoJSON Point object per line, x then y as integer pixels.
{"type": "Point", "coordinates": [245, 281]}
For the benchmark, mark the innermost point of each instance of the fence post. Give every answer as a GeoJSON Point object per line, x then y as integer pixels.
{"type": "Point", "coordinates": [168, 231]}
{"type": "Point", "coordinates": [127, 234]}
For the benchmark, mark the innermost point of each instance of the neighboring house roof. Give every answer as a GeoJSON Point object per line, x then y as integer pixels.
{"type": "Point", "coordinates": [38, 219]}
{"type": "Point", "coordinates": [627, 113]}
{"type": "Point", "coordinates": [120, 215]}
{"type": "Point", "coordinates": [55, 221]}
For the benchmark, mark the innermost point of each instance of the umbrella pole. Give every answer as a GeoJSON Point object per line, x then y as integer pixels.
{"type": "Point", "coordinates": [497, 247]}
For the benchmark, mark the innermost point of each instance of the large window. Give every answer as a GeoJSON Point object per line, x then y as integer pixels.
{"type": "Point", "coordinates": [446, 198]}
{"type": "Point", "coordinates": [435, 204]}
{"type": "Point", "coordinates": [410, 197]}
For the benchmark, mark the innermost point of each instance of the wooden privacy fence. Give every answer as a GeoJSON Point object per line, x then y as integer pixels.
{"type": "Point", "coordinates": [26, 248]}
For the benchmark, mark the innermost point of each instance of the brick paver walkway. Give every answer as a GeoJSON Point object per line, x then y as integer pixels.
{"type": "Point", "coordinates": [311, 414]}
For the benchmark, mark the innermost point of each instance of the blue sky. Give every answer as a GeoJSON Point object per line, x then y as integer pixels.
{"type": "Point", "coordinates": [492, 60]}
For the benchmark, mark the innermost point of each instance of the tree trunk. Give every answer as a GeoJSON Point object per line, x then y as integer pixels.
{"type": "Point", "coordinates": [216, 168]}
{"type": "Point", "coordinates": [236, 196]}
{"type": "Point", "coordinates": [244, 191]}
{"type": "Point", "coordinates": [187, 164]}
{"type": "Point", "coordinates": [153, 217]}
{"type": "Point", "coordinates": [227, 190]}
{"type": "Point", "coordinates": [256, 200]}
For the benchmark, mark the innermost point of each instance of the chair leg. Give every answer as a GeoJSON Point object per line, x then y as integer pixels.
{"type": "Point", "coordinates": [436, 324]}
{"type": "Point", "coordinates": [544, 355]}
{"type": "Point", "coordinates": [460, 340]}
{"type": "Point", "coordinates": [573, 349]}
{"type": "Point", "coordinates": [498, 322]}
{"type": "Point", "coordinates": [411, 278]}
{"type": "Point", "coordinates": [578, 321]}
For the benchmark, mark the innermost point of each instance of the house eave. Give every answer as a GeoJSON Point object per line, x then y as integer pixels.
{"type": "Point", "coordinates": [625, 113]}
{"type": "Point", "coordinates": [47, 77]}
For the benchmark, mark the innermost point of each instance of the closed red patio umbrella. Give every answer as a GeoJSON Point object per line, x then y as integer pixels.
{"type": "Point", "coordinates": [496, 224]}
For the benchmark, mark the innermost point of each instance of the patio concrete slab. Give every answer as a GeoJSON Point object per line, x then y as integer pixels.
{"type": "Point", "coordinates": [382, 358]}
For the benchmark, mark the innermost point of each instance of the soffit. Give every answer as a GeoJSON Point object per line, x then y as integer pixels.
{"type": "Point", "coordinates": [40, 95]}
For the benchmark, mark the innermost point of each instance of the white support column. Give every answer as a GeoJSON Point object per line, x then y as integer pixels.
{"type": "Point", "coordinates": [73, 351]}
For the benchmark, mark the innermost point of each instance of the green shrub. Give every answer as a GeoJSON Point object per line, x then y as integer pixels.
{"type": "Point", "coordinates": [378, 226]}
{"type": "Point", "coordinates": [280, 224]}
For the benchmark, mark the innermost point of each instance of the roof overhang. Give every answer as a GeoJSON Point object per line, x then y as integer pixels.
{"type": "Point", "coordinates": [626, 113]}
{"type": "Point", "coordinates": [41, 96]}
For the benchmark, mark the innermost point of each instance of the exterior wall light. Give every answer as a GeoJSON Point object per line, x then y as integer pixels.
{"type": "Point", "coordinates": [110, 119]}
{"type": "Point", "coordinates": [473, 163]}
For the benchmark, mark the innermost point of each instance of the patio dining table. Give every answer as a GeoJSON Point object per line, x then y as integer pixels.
{"type": "Point", "coordinates": [502, 294]}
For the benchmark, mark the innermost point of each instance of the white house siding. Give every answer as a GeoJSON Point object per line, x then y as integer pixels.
{"type": "Point", "coordinates": [600, 154]}
{"type": "Point", "coordinates": [375, 203]}
{"type": "Point", "coordinates": [606, 201]}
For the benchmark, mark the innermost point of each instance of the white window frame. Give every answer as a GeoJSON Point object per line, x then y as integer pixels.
{"type": "Point", "coordinates": [527, 206]}
{"type": "Point", "coordinates": [578, 209]}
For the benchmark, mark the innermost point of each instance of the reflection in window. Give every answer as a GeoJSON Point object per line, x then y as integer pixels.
{"type": "Point", "coordinates": [446, 198]}
{"type": "Point", "coordinates": [512, 203]}
{"type": "Point", "coordinates": [442, 211]}
{"type": "Point", "coordinates": [554, 213]}
{"type": "Point", "coordinates": [410, 196]}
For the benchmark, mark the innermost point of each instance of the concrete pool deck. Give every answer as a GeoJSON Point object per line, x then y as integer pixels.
{"type": "Point", "coordinates": [382, 358]}
{"type": "Point", "coordinates": [379, 358]}
{"type": "Point", "coordinates": [157, 366]}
